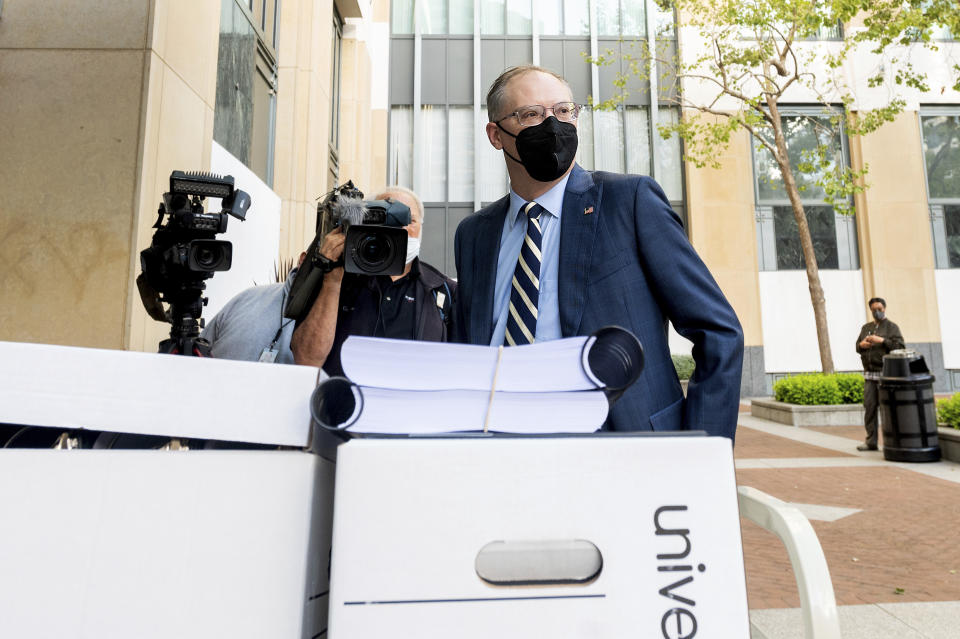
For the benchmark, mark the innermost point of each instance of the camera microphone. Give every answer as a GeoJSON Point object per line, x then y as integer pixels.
{"type": "Point", "coordinates": [349, 211]}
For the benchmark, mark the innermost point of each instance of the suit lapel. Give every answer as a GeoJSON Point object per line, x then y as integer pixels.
{"type": "Point", "coordinates": [578, 227]}
{"type": "Point", "coordinates": [487, 249]}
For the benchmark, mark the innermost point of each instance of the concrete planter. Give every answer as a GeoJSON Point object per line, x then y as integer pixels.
{"type": "Point", "coordinates": [795, 415]}
{"type": "Point", "coordinates": [949, 439]}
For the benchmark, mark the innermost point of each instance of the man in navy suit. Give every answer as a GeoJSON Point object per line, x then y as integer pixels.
{"type": "Point", "coordinates": [596, 249]}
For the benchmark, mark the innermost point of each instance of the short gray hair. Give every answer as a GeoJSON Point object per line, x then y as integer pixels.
{"type": "Point", "coordinates": [396, 188]}
{"type": "Point", "coordinates": [496, 96]}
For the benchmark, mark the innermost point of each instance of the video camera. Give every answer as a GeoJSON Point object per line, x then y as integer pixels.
{"type": "Point", "coordinates": [183, 253]}
{"type": "Point", "coordinates": [375, 243]}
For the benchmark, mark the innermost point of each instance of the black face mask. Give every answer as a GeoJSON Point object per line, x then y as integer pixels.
{"type": "Point", "coordinates": [546, 150]}
{"type": "Point", "coordinates": [878, 314]}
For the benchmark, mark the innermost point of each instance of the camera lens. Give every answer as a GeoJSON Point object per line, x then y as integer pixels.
{"type": "Point", "coordinates": [206, 256]}
{"type": "Point", "coordinates": [374, 251]}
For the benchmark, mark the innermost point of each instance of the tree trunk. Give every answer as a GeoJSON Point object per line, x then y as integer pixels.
{"type": "Point", "coordinates": [806, 242]}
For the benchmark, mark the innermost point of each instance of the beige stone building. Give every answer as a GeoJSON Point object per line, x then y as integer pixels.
{"type": "Point", "coordinates": [100, 101]}
{"type": "Point", "coordinates": [903, 243]}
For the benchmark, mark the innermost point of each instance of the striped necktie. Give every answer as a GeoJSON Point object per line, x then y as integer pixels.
{"type": "Point", "coordinates": [525, 289]}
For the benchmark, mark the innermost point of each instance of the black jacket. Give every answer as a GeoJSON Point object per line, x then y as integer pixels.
{"type": "Point", "coordinates": [872, 357]}
{"type": "Point", "coordinates": [359, 314]}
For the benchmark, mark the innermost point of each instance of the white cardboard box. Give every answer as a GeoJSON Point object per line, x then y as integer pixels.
{"type": "Point", "coordinates": [115, 544]}
{"type": "Point", "coordinates": [412, 515]}
{"type": "Point", "coordinates": [149, 393]}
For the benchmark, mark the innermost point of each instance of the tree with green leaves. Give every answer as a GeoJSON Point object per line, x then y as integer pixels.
{"type": "Point", "coordinates": [745, 58]}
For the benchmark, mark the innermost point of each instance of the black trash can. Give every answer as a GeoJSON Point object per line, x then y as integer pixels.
{"type": "Point", "coordinates": [908, 415]}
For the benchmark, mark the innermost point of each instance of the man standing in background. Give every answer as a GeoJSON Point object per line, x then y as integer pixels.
{"type": "Point", "coordinates": [877, 338]}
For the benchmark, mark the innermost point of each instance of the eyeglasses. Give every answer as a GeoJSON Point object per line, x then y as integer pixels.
{"type": "Point", "coordinates": [534, 114]}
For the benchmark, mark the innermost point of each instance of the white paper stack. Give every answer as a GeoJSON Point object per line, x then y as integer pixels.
{"type": "Point", "coordinates": [408, 387]}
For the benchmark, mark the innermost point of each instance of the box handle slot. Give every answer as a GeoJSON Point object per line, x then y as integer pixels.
{"type": "Point", "coordinates": [539, 562]}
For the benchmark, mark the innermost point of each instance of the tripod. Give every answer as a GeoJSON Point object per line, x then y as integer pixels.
{"type": "Point", "coordinates": [185, 333]}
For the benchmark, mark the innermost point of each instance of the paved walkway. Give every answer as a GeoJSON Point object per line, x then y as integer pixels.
{"type": "Point", "coordinates": [890, 533]}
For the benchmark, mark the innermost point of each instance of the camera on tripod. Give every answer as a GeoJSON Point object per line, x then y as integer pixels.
{"type": "Point", "coordinates": [375, 243]}
{"type": "Point", "coordinates": [184, 252]}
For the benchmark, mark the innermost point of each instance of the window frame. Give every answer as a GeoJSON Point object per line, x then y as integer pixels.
{"type": "Point", "coordinates": [845, 231]}
{"type": "Point", "coordinates": [265, 65]}
{"type": "Point", "coordinates": [937, 206]}
{"type": "Point", "coordinates": [333, 139]}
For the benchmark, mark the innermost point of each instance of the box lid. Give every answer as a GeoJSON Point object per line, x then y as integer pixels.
{"type": "Point", "coordinates": [153, 394]}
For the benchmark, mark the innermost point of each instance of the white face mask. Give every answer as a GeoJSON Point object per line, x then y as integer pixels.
{"type": "Point", "coordinates": [413, 248]}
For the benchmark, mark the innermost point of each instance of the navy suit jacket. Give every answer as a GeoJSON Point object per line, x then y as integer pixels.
{"type": "Point", "coordinates": [627, 263]}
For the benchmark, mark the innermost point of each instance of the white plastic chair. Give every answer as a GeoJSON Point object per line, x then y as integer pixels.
{"type": "Point", "coordinates": [818, 606]}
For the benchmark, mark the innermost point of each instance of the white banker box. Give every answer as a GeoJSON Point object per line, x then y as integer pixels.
{"type": "Point", "coordinates": [185, 544]}
{"type": "Point", "coordinates": [595, 537]}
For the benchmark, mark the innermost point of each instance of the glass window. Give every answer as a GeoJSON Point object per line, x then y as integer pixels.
{"type": "Point", "coordinates": [433, 18]}
{"type": "Point", "coordinates": [246, 86]}
{"type": "Point", "coordinates": [336, 44]}
{"type": "Point", "coordinates": [634, 18]}
{"type": "Point", "coordinates": [576, 17]}
{"type": "Point", "coordinates": [433, 159]}
{"type": "Point", "coordinates": [637, 127]}
{"type": "Point", "coordinates": [670, 167]}
{"type": "Point", "coordinates": [951, 218]}
{"type": "Point", "coordinates": [401, 146]}
{"type": "Point", "coordinates": [491, 17]}
{"type": "Point", "coordinates": [941, 154]}
{"type": "Point", "coordinates": [461, 16]}
{"type": "Point", "coordinates": [585, 143]}
{"type": "Point", "coordinates": [822, 223]}
{"type": "Point", "coordinates": [549, 17]}
{"type": "Point", "coordinates": [608, 17]}
{"type": "Point", "coordinates": [518, 17]}
{"type": "Point", "coordinates": [609, 141]}
{"type": "Point", "coordinates": [834, 32]}
{"type": "Point", "coordinates": [804, 133]}
{"type": "Point", "coordinates": [402, 16]}
{"type": "Point", "coordinates": [663, 20]}
{"type": "Point", "coordinates": [941, 151]}
{"type": "Point", "coordinates": [830, 33]}
{"type": "Point", "coordinates": [493, 177]}
{"type": "Point", "coordinates": [462, 132]}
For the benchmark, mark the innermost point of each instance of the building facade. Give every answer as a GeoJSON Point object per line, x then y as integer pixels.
{"type": "Point", "coordinates": [445, 54]}
{"type": "Point", "coordinates": [101, 101]}
{"type": "Point", "coordinates": [900, 244]}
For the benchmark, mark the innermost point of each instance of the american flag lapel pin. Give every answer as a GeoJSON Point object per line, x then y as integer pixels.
{"type": "Point", "coordinates": [588, 210]}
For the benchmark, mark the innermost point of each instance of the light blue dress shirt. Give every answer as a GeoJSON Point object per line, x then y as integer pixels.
{"type": "Point", "coordinates": [511, 240]}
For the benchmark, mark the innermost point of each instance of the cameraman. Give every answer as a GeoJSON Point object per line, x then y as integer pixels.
{"type": "Point", "coordinates": [417, 304]}
{"type": "Point", "coordinates": [251, 326]}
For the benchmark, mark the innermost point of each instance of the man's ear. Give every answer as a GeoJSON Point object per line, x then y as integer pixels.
{"type": "Point", "coordinates": [303, 256]}
{"type": "Point", "coordinates": [493, 134]}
